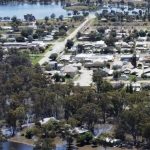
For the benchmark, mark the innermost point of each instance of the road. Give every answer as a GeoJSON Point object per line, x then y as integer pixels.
{"type": "Point", "coordinates": [60, 46]}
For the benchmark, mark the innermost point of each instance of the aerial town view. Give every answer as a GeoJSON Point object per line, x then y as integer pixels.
{"type": "Point", "coordinates": [74, 74]}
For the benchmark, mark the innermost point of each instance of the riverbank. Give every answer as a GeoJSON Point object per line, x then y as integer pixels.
{"type": "Point", "coordinates": [58, 142]}
{"type": "Point", "coordinates": [81, 8]}
{"type": "Point", "coordinates": [21, 140]}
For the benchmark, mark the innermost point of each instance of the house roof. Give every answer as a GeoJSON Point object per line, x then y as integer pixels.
{"type": "Point", "coordinates": [65, 57]}
{"type": "Point", "coordinates": [69, 68]}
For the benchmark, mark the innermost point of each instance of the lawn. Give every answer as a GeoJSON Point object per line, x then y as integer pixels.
{"type": "Point", "coordinates": [35, 58]}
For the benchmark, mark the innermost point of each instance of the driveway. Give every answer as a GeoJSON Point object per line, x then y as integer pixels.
{"type": "Point", "coordinates": [85, 78]}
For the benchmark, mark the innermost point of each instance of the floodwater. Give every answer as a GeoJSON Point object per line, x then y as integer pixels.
{"type": "Point", "coordinates": [37, 9]}
{"type": "Point", "coordinates": [15, 146]}
{"type": "Point", "coordinates": [40, 10]}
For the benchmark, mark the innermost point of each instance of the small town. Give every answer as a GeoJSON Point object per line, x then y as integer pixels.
{"type": "Point", "coordinates": [75, 75]}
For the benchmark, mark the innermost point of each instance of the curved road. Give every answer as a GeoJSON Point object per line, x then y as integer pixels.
{"type": "Point", "coordinates": [60, 46]}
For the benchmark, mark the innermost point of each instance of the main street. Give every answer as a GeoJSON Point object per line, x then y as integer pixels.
{"type": "Point", "coordinates": [58, 47]}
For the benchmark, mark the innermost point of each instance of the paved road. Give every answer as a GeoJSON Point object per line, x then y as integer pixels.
{"type": "Point", "coordinates": [59, 46]}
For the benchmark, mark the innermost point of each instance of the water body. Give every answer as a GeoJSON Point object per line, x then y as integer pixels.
{"type": "Point", "coordinates": [15, 146]}
{"type": "Point", "coordinates": [18, 146]}
{"type": "Point", "coordinates": [38, 10]}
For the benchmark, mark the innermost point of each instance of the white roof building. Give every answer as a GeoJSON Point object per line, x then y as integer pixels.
{"type": "Point", "coordinates": [6, 27]}
{"type": "Point", "coordinates": [80, 130]}
{"type": "Point", "coordinates": [46, 120]}
{"type": "Point", "coordinates": [135, 86]}
{"type": "Point", "coordinates": [65, 58]}
{"type": "Point", "coordinates": [99, 44]}
{"type": "Point", "coordinates": [121, 44]}
{"type": "Point", "coordinates": [117, 64]}
{"type": "Point", "coordinates": [92, 57]}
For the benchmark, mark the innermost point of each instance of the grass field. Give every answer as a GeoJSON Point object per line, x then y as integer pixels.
{"type": "Point", "coordinates": [81, 8]}
{"type": "Point", "coordinates": [35, 58]}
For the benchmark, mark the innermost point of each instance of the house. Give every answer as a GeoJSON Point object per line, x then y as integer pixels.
{"type": "Point", "coordinates": [65, 58]}
{"type": "Point", "coordinates": [117, 64]}
{"type": "Point", "coordinates": [108, 71]}
{"type": "Point", "coordinates": [79, 130]}
{"type": "Point", "coordinates": [53, 65]}
{"type": "Point", "coordinates": [48, 38]}
{"type": "Point", "coordinates": [103, 19]}
{"type": "Point", "coordinates": [46, 120]}
{"type": "Point", "coordinates": [146, 59]}
{"type": "Point", "coordinates": [135, 86]}
{"type": "Point", "coordinates": [121, 44]}
{"type": "Point", "coordinates": [137, 72]}
{"type": "Point", "coordinates": [6, 27]}
{"type": "Point", "coordinates": [127, 57]}
{"type": "Point", "coordinates": [90, 57]}
{"type": "Point", "coordinates": [100, 44]}
{"type": "Point", "coordinates": [126, 71]}
{"type": "Point", "coordinates": [70, 70]}
{"type": "Point", "coordinates": [16, 45]}
{"type": "Point", "coordinates": [142, 38]}
{"type": "Point", "coordinates": [141, 44]}
{"type": "Point", "coordinates": [41, 44]}
{"type": "Point", "coordinates": [7, 131]}
{"type": "Point", "coordinates": [94, 63]}
{"type": "Point", "coordinates": [146, 72]}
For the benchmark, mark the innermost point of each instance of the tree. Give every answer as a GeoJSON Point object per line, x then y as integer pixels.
{"type": "Point", "coordinates": [133, 60]}
{"type": "Point", "coordinates": [80, 48]}
{"type": "Point", "coordinates": [69, 44]}
{"type": "Point", "coordinates": [142, 33]}
{"type": "Point", "coordinates": [46, 19]}
{"type": "Point", "coordinates": [44, 144]}
{"type": "Point", "coordinates": [104, 104]}
{"type": "Point", "coordinates": [20, 39]}
{"type": "Point", "coordinates": [61, 17]}
{"type": "Point", "coordinates": [15, 22]}
{"type": "Point", "coordinates": [53, 56]}
{"type": "Point", "coordinates": [117, 102]}
{"type": "Point", "coordinates": [88, 114]}
{"type": "Point", "coordinates": [78, 35]}
{"type": "Point", "coordinates": [29, 17]}
{"type": "Point", "coordinates": [75, 12]}
{"type": "Point", "coordinates": [1, 54]}
{"type": "Point", "coordinates": [84, 138]}
{"type": "Point", "coordinates": [130, 122]}
{"type": "Point", "coordinates": [30, 38]}
{"type": "Point", "coordinates": [110, 41]}
{"type": "Point", "coordinates": [116, 75]}
{"type": "Point", "coordinates": [14, 19]}
{"type": "Point", "coordinates": [146, 132]}
{"type": "Point", "coordinates": [40, 32]}
{"type": "Point", "coordinates": [53, 16]}
{"type": "Point", "coordinates": [57, 77]}
{"type": "Point", "coordinates": [26, 32]}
